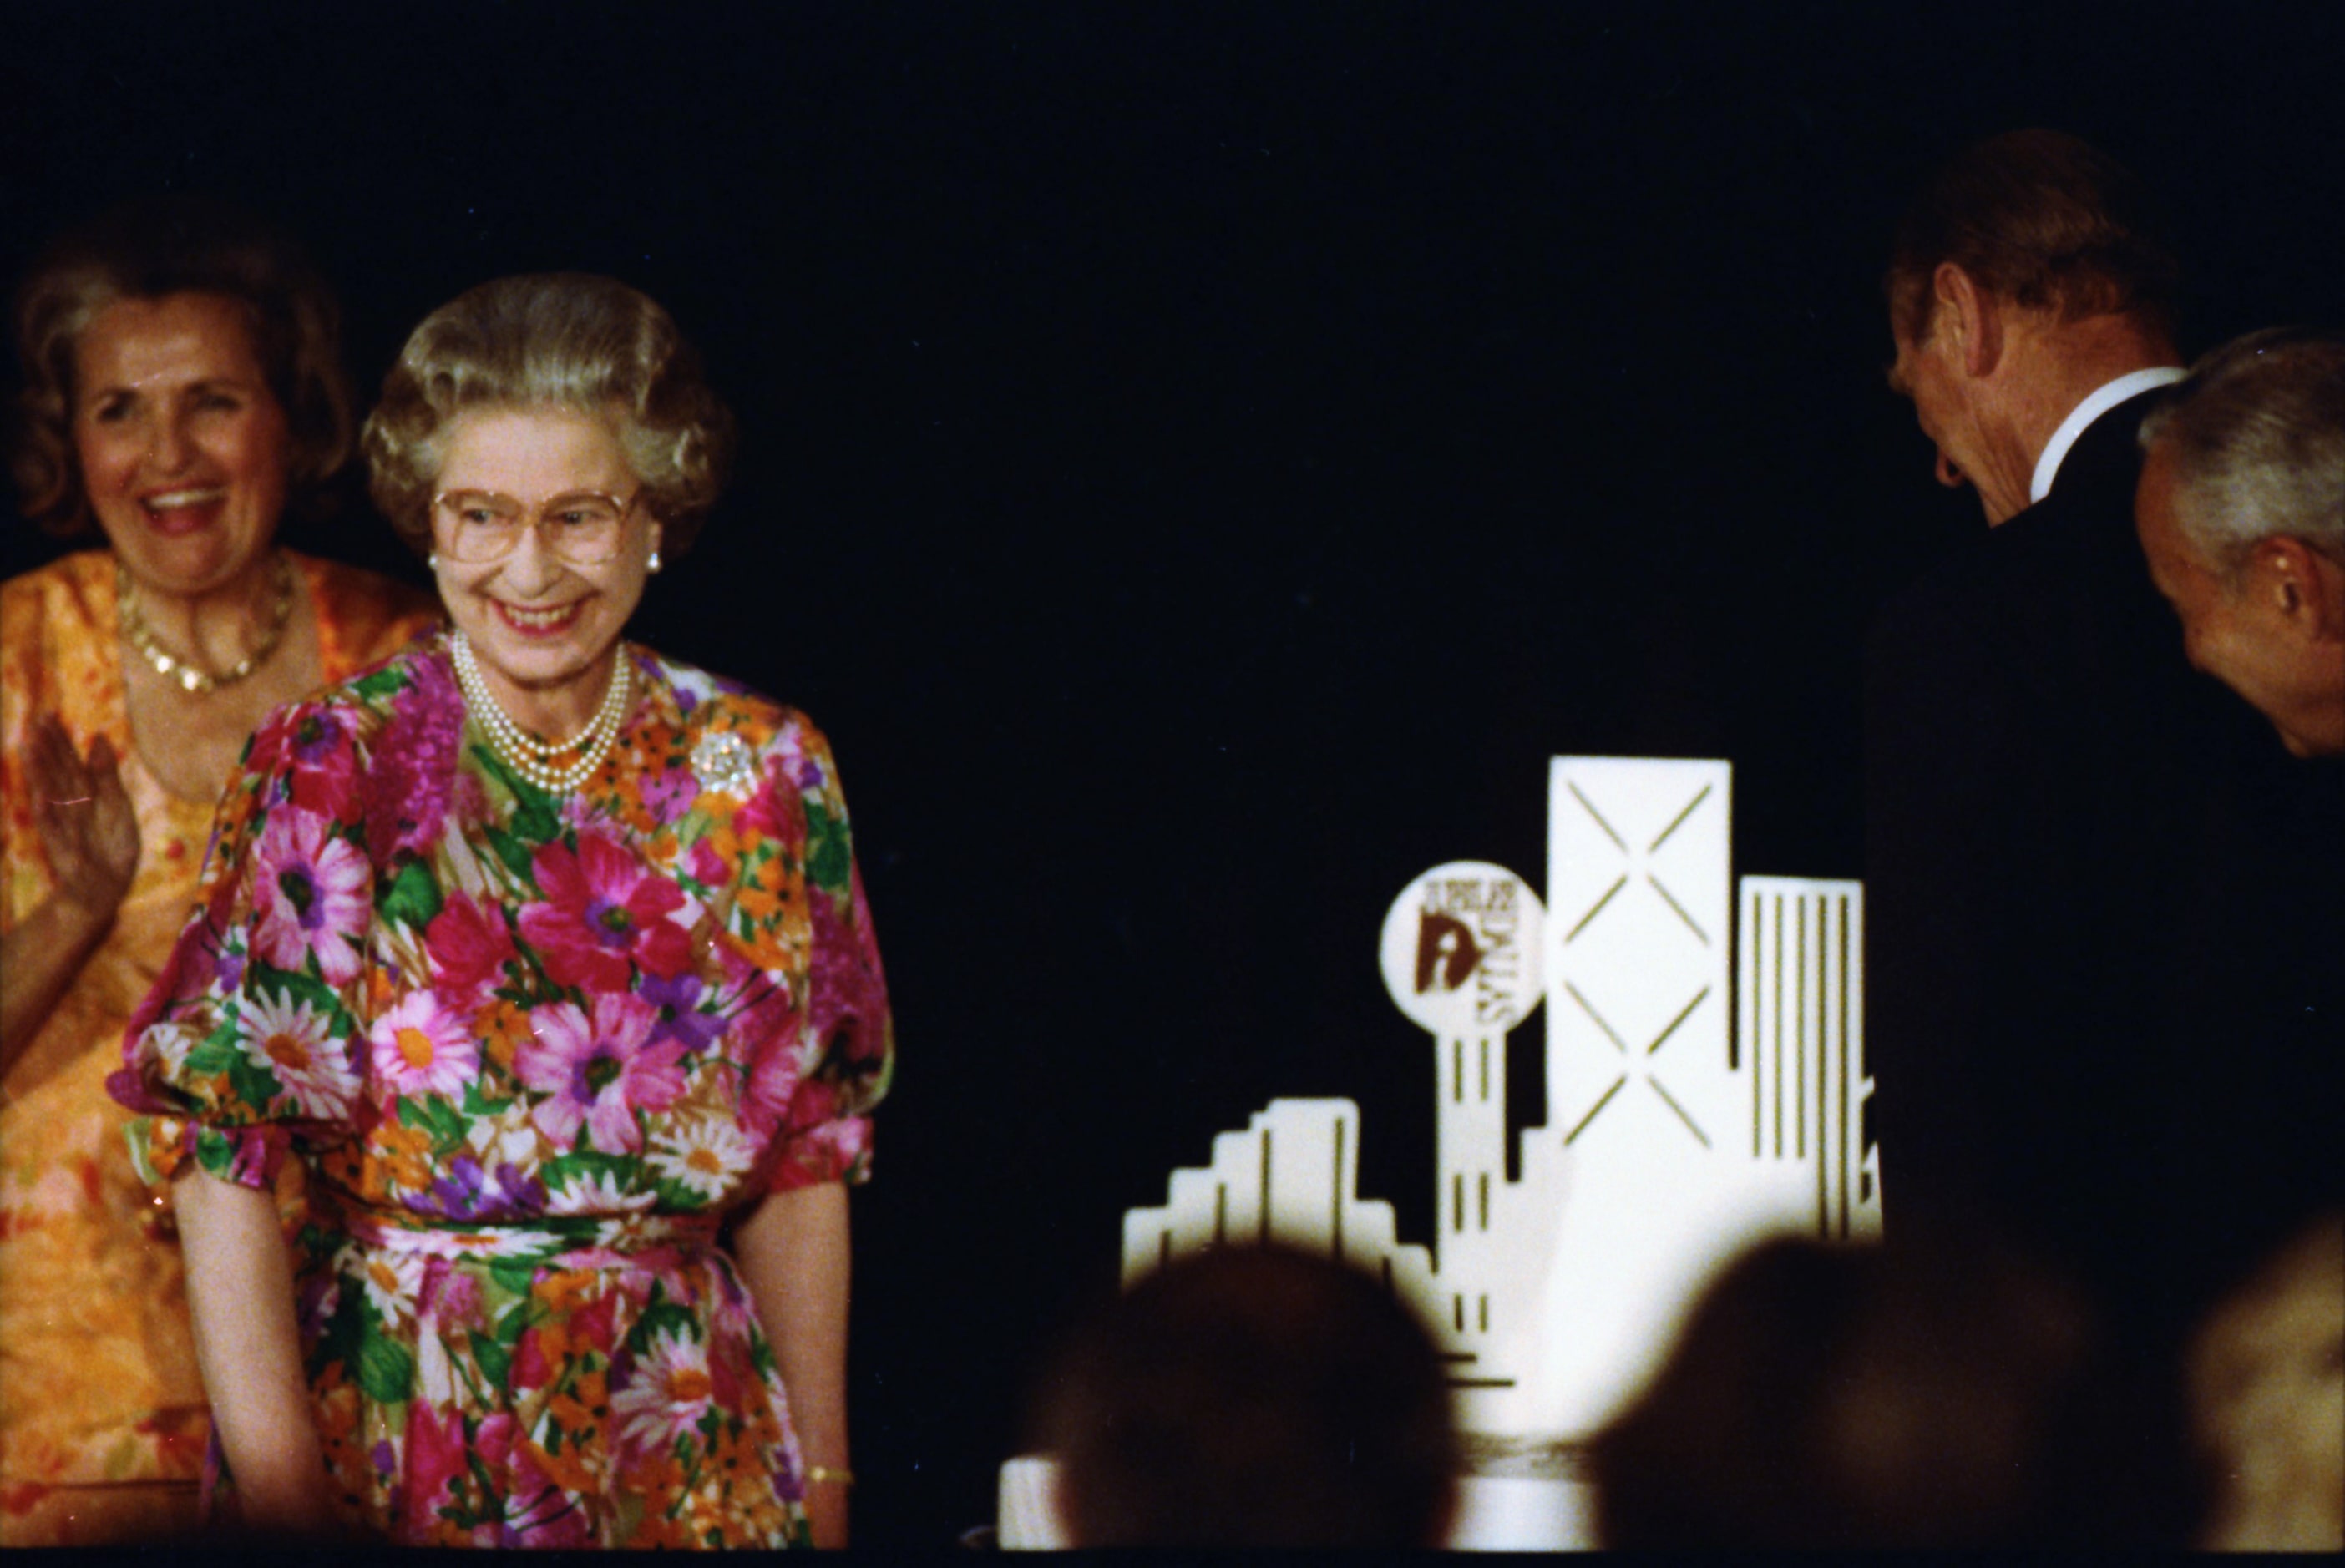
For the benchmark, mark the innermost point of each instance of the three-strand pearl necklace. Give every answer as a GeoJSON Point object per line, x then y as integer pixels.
{"type": "Point", "coordinates": [527, 755]}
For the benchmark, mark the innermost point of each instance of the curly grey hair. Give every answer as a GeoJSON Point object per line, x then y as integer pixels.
{"type": "Point", "coordinates": [554, 339]}
{"type": "Point", "coordinates": [2256, 438]}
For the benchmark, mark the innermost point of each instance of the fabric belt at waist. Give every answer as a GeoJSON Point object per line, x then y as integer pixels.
{"type": "Point", "coordinates": [618, 1241]}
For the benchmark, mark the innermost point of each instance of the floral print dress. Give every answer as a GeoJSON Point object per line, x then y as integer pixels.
{"type": "Point", "coordinates": [533, 1050]}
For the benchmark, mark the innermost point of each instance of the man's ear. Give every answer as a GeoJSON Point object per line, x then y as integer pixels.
{"type": "Point", "coordinates": [1972, 317]}
{"type": "Point", "coordinates": [2302, 587]}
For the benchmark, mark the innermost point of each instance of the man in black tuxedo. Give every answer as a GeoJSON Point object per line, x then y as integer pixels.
{"type": "Point", "coordinates": [2037, 755]}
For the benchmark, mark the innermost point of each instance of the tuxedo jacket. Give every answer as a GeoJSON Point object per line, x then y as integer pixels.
{"type": "Point", "coordinates": [2090, 940]}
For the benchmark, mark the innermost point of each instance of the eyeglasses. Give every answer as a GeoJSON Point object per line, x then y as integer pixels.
{"type": "Point", "coordinates": [583, 527]}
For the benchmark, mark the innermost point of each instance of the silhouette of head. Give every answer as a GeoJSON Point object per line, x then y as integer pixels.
{"type": "Point", "coordinates": [1835, 1397]}
{"type": "Point", "coordinates": [1252, 1396]}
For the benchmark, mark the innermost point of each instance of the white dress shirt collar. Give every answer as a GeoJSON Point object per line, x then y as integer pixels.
{"type": "Point", "coordinates": [2108, 395]}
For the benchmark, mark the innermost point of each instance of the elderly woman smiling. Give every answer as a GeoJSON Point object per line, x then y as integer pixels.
{"type": "Point", "coordinates": [549, 957]}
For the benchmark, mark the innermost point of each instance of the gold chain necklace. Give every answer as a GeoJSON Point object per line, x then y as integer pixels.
{"type": "Point", "coordinates": [194, 682]}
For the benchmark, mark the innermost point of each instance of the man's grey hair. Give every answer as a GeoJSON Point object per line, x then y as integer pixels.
{"type": "Point", "coordinates": [2256, 438]}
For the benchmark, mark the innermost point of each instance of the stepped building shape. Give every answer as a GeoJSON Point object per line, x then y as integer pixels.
{"type": "Point", "coordinates": [1291, 1176]}
{"type": "Point", "coordinates": [1705, 1087]}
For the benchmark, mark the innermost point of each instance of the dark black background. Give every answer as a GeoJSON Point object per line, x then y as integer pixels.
{"type": "Point", "coordinates": [1199, 463]}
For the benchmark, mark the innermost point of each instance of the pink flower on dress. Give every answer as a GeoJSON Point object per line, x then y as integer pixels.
{"type": "Point", "coordinates": [452, 1301]}
{"type": "Point", "coordinates": [773, 1083]}
{"type": "Point", "coordinates": [597, 1327]}
{"type": "Point", "coordinates": [309, 891]}
{"type": "Point", "coordinates": [709, 868]}
{"type": "Point", "coordinates": [847, 986]}
{"type": "Point", "coordinates": [602, 912]}
{"type": "Point", "coordinates": [419, 1048]}
{"type": "Point", "coordinates": [731, 1373]}
{"type": "Point", "coordinates": [591, 1327]}
{"type": "Point", "coordinates": [539, 1512]}
{"type": "Point", "coordinates": [406, 783]}
{"type": "Point", "coordinates": [469, 943]}
{"type": "Point", "coordinates": [763, 813]}
{"type": "Point", "coordinates": [192, 967]}
{"type": "Point", "coordinates": [664, 1394]}
{"type": "Point", "coordinates": [317, 745]}
{"type": "Point", "coordinates": [494, 1440]}
{"type": "Point", "coordinates": [299, 1051]}
{"type": "Point", "coordinates": [827, 1151]}
{"type": "Point", "coordinates": [435, 1456]}
{"type": "Point", "coordinates": [669, 793]}
{"type": "Point", "coordinates": [598, 1072]}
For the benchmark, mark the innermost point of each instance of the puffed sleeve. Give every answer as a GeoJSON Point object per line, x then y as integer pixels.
{"type": "Point", "coordinates": [846, 1052]}
{"type": "Point", "coordinates": [252, 1032]}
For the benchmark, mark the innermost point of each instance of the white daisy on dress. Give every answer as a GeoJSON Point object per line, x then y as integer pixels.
{"type": "Point", "coordinates": [508, 1138]}
{"type": "Point", "coordinates": [298, 1048]}
{"type": "Point", "coordinates": [666, 1391]}
{"type": "Point", "coordinates": [703, 1153]}
{"type": "Point", "coordinates": [169, 1044]}
{"type": "Point", "coordinates": [596, 1192]}
{"type": "Point", "coordinates": [394, 1283]}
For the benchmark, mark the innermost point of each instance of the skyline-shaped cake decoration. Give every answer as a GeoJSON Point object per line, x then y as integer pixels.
{"type": "Point", "coordinates": [1705, 1086]}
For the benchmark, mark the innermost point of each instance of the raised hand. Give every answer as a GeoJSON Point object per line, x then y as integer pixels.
{"type": "Point", "coordinates": [84, 816]}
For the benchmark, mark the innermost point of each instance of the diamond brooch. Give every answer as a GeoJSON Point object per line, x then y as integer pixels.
{"type": "Point", "coordinates": [722, 761]}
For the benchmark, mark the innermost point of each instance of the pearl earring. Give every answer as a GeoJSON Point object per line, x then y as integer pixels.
{"type": "Point", "coordinates": [653, 565]}
{"type": "Point", "coordinates": [432, 561]}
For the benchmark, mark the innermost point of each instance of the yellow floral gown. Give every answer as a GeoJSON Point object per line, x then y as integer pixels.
{"type": "Point", "coordinates": [102, 1418]}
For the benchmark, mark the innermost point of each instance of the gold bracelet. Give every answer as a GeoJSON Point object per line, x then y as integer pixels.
{"type": "Point", "coordinates": [818, 1474]}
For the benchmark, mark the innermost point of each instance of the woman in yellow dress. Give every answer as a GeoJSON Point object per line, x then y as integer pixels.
{"type": "Point", "coordinates": [182, 390]}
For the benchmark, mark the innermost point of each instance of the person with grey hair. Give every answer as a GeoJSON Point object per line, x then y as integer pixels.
{"type": "Point", "coordinates": [2241, 518]}
{"type": "Point", "coordinates": [548, 957]}
{"type": "Point", "coordinates": [2241, 515]}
